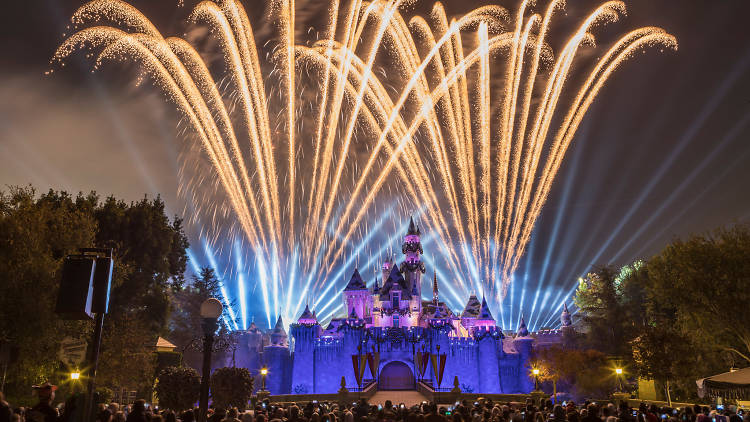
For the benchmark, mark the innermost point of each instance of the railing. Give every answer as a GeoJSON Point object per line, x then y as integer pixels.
{"type": "Point", "coordinates": [366, 384]}
{"type": "Point", "coordinates": [367, 391]}
{"type": "Point", "coordinates": [446, 395]}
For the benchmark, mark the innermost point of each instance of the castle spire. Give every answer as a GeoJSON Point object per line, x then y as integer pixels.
{"type": "Point", "coordinates": [565, 320]}
{"type": "Point", "coordinates": [522, 330]}
{"type": "Point", "coordinates": [435, 298]}
{"type": "Point", "coordinates": [413, 229]}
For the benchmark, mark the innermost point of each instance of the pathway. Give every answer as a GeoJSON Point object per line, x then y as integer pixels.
{"type": "Point", "coordinates": [407, 397]}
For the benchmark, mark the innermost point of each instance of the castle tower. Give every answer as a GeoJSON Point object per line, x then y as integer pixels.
{"type": "Point", "coordinates": [485, 318]}
{"type": "Point", "coordinates": [386, 269]}
{"type": "Point", "coordinates": [278, 335]}
{"type": "Point", "coordinates": [565, 319]}
{"type": "Point", "coordinates": [523, 344]}
{"type": "Point", "coordinates": [412, 268]}
{"type": "Point", "coordinates": [435, 298]}
{"type": "Point", "coordinates": [357, 298]}
{"type": "Point", "coordinates": [471, 312]}
{"type": "Point", "coordinates": [307, 317]}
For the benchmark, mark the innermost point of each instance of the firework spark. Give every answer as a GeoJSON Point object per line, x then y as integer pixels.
{"type": "Point", "coordinates": [478, 157]}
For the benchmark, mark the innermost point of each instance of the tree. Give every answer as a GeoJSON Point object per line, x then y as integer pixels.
{"type": "Point", "coordinates": [612, 307]}
{"type": "Point", "coordinates": [37, 232]}
{"type": "Point", "coordinates": [150, 254]}
{"type": "Point", "coordinates": [185, 322]}
{"type": "Point", "coordinates": [705, 280]}
{"type": "Point", "coordinates": [178, 388]}
{"type": "Point", "coordinates": [582, 373]}
{"type": "Point", "coordinates": [663, 354]}
{"type": "Point", "coordinates": [231, 387]}
{"type": "Point", "coordinates": [35, 236]}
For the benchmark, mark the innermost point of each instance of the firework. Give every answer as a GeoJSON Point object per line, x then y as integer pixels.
{"type": "Point", "coordinates": [472, 125]}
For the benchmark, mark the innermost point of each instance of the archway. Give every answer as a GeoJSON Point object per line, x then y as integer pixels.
{"type": "Point", "coordinates": [396, 376]}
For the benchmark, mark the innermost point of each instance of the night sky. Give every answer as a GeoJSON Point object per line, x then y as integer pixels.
{"type": "Point", "coordinates": [664, 152]}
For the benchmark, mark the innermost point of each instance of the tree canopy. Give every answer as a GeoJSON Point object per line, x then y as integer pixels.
{"type": "Point", "coordinates": [678, 316]}
{"type": "Point", "coordinates": [37, 232]}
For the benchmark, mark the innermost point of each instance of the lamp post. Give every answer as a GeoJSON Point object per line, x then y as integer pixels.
{"type": "Point", "coordinates": [618, 372]}
{"type": "Point", "coordinates": [211, 310]}
{"type": "Point", "coordinates": [535, 371]}
{"type": "Point", "coordinates": [263, 373]}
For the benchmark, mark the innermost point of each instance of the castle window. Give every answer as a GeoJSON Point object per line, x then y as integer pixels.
{"type": "Point", "coordinates": [395, 321]}
{"type": "Point", "coordinates": [395, 299]}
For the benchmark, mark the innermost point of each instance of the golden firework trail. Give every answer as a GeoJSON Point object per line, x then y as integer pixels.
{"type": "Point", "coordinates": [474, 114]}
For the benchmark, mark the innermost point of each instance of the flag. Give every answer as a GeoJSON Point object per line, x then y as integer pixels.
{"type": "Point", "coordinates": [438, 367]}
{"type": "Point", "coordinates": [358, 364]}
{"type": "Point", "coordinates": [374, 360]}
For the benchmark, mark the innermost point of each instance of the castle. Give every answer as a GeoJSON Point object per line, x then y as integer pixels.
{"type": "Point", "coordinates": [398, 329]}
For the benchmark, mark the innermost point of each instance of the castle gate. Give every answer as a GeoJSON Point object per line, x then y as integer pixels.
{"type": "Point", "coordinates": [396, 376]}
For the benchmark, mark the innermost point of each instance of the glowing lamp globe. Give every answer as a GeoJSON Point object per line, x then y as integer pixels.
{"type": "Point", "coordinates": [535, 371]}
{"type": "Point", "coordinates": [618, 371]}
{"type": "Point", "coordinates": [264, 371]}
{"type": "Point", "coordinates": [75, 375]}
{"type": "Point", "coordinates": [211, 308]}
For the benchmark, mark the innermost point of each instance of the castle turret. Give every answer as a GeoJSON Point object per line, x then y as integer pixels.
{"type": "Point", "coordinates": [307, 317]}
{"type": "Point", "coordinates": [357, 298]}
{"type": "Point", "coordinates": [435, 298]}
{"type": "Point", "coordinates": [277, 359]}
{"type": "Point", "coordinates": [386, 269]}
{"type": "Point", "coordinates": [523, 344]}
{"type": "Point", "coordinates": [485, 318]}
{"type": "Point", "coordinates": [413, 267]}
{"type": "Point", "coordinates": [490, 343]}
{"type": "Point", "coordinates": [278, 335]}
{"type": "Point", "coordinates": [565, 319]}
{"type": "Point", "coordinates": [471, 312]}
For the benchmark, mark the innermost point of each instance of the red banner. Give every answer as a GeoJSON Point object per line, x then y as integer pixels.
{"type": "Point", "coordinates": [438, 367]}
{"type": "Point", "coordinates": [374, 360]}
{"type": "Point", "coordinates": [425, 360]}
{"type": "Point", "coordinates": [359, 362]}
{"type": "Point", "coordinates": [355, 366]}
{"type": "Point", "coordinates": [442, 369]}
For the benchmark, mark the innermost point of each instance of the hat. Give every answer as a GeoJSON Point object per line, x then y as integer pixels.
{"type": "Point", "coordinates": [45, 386]}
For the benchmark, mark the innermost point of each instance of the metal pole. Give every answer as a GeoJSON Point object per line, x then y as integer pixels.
{"type": "Point", "coordinates": [209, 326]}
{"type": "Point", "coordinates": [5, 371]}
{"type": "Point", "coordinates": [96, 347]}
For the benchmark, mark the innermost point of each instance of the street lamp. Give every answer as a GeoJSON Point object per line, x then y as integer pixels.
{"type": "Point", "coordinates": [75, 376]}
{"type": "Point", "coordinates": [263, 372]}
{"type": "Point", "coordinates": [535, 371]}
{"type": "Point", "coordinates": [211, 310]}
{"type": "Point", "coordinates": [618, 371]}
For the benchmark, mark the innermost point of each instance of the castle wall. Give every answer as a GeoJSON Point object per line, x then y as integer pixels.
{"type": "Point", "coordinates": [302, 380]}
{"type": "Point", "coordinates": [278, 361]}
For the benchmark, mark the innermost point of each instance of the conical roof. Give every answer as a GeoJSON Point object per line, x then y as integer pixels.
{"type": "Point", "coordinates": [413, 229]}
{"type": "Point", "coordinates": [522, 330]}
{"type": "Point", "coordinates": [306, 316]}
{"type": "Point", "coordinates": [565, 319]}
{"type": "Point", "coordinates": [279, 328]}
{"type": "Point", "coordinates": [484, 312]}
{"type": "Point", "coordinates": [356, 282]}
{"type": "Point", "coordinates": [472, 308]}
{"type": "Point", "coordinates": [395, 281]}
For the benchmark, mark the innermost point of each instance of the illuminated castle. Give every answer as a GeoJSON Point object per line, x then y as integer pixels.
{"type": "Point", "coordinates": [392, 319]}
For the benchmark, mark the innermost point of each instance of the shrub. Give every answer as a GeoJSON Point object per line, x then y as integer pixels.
{"type": "Point", "coordinates": [231, 387]}
{"type": "Point", "coordinates": [178, 388]}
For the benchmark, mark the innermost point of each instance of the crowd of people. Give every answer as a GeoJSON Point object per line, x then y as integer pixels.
{"type": "Point", "coordinates": [483, 410]}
